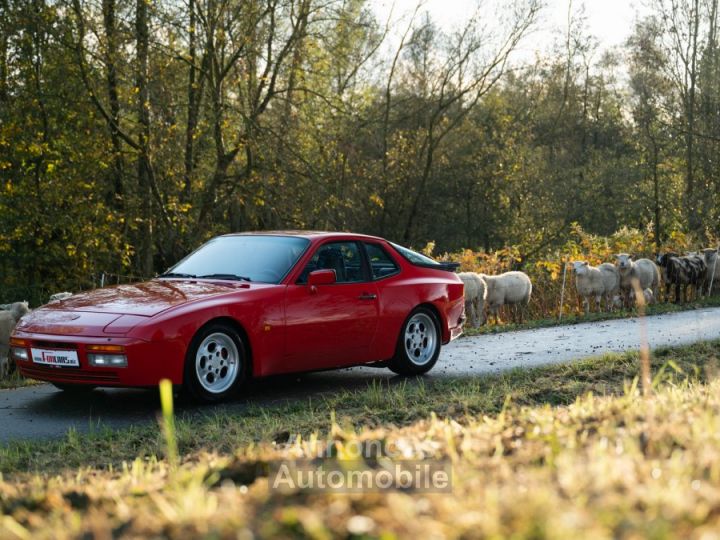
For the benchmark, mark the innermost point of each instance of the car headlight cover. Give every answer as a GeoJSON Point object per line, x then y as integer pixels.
{"type": "Point", "coordinates": [107, 360]}
{"type": "Point", "coordinates": [19, 353]}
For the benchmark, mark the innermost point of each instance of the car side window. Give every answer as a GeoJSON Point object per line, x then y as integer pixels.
{"type": "Point", "coordinates": [381, 264]}
{"type": "Point", "coordinates": [343, 257]}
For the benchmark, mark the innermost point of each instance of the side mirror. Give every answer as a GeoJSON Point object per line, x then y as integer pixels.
{"type": "Point", "coordinates": [321, 277]}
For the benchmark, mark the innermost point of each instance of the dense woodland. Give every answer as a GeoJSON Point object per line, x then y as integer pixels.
{"type": "Point", "coordinates": [131, 131]}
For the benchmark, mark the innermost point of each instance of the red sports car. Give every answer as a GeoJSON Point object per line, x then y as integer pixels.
{"type": "Point", "coordinates": [250, 305]}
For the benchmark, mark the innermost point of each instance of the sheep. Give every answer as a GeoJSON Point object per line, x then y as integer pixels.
{"type": "Point", "coordinates": [512, 288]}
{"type": "Point", "coordinates": [644, 271]}
{"type": "Point", "coordinates": [8, 320]}
{"type": "Point", "coordinates": [713, 269]}
{"type": "Point", "coordinates": [683, 272]}
{"type": "Point", "coordinates": [57, 297]}
{"type": "Point", "coordinates": [648, 297]}
{"type": "Point", "coordinates": [475, 295]}
{"type": "Point", "coordinates": [600, 282]}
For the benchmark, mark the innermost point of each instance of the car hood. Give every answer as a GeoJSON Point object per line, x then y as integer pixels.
{"type": "Point", "coordinates": [144, 299]}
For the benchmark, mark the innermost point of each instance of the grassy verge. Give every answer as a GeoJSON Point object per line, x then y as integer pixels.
{"type": "Point", "coordinates": [564, 451]}
{"type": "Point", "coordinates": [14, 380]}
{"type": "Point", "coordinates": [577, 318]}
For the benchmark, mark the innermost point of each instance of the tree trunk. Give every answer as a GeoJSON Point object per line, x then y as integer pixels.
{"type": "Point", "coordinates": [111, 53]}
{"type": "Point", "coordinates": [3, 51]}
{"type": "Point", "coordinates": [195, 84]}
{"type": "Point", "coordinates": [656, 197]}
{"type": "Point", "coordinates": [694, 219]}
{"type": "Point", "coordinates": [145, 251]}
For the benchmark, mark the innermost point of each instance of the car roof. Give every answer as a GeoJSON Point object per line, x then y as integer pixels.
{"type": "Point", "coordinates": [308, 234]}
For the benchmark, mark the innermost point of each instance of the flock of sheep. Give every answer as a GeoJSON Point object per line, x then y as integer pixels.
{"type": "Point", "coordinates": [618, 284]}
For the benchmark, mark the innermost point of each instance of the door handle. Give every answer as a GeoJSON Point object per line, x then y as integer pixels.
{"type": "Point", "coordinates": [367, 296]}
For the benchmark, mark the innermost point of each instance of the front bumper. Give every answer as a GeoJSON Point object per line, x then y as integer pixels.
{"type": "Point", "coordinates": [148, 362]}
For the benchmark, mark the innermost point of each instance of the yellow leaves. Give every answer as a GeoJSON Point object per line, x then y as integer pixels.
{"type": "Point", "coordinates": [429, 248]}
{"type": "Point", "coordinates": [554, 268]}
{"type": "Point", "coordinates": [377, 200]}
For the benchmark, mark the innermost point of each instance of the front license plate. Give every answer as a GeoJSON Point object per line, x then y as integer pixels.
{"type": "Point", "coordinates": [55, 358]}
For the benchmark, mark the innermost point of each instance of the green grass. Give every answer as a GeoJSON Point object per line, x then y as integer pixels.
{"type": "Point", "coordinates": [565, 451]}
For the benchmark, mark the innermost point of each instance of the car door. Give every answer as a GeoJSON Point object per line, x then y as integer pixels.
{"type": "Point", "coordinates": [331, 325]}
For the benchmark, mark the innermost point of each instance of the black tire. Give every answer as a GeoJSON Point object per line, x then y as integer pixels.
{"type": "Point", "coordinates": [70, 388]}
{"type": "Point", "coordinates": [224, 368]}
{"type": "Point", "coordinates": [419, 343]}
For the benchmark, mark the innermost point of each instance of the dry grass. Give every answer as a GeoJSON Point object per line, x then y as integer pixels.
{"type": "Point", "coordinates": [564, 452]}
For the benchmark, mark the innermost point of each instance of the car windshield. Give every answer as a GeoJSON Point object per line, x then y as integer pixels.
{"type": "Point", "coordinates": [415, 257]}
{"type": "Point", "coordinates": [262, 258]}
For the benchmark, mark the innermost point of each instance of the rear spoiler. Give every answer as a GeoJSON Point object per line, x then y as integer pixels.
{"type": "Point", "coordinates": [450, 266]}
{"type": "Point", "coordinates": [441, 265]}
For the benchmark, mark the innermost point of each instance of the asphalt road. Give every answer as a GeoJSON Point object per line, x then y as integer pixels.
{"type": "Point", "coordinates": [43, 412]}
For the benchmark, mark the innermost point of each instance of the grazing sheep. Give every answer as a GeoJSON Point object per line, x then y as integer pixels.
{"type": "Point", "coordinates": [8, 320]}
{"type": "Point", "coordinates": [57, 297]}
{"type": "Point", "coordinates": [475, 295]}
{"type": "Point", "coordinates": [684, 273]}
{"type": "Point", "coordinates": [599, 282]}
{"type": "Point", "coordinates": [644, 271]}
{"type": "Point", "coordinates": [511, 288]}
{"type": "Point", "coordinates": [713, 269]}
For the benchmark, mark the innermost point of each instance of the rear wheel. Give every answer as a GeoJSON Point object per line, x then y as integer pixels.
{"type": "Point", "coordinates": [215, 363]}
{"type": "Point", "coordinates": [419, 343]}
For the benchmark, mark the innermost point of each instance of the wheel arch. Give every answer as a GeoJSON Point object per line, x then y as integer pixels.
{"type": "Point", "coordinates": [236, 325]}
{"type": "Point", "coordinates": [444, 333]}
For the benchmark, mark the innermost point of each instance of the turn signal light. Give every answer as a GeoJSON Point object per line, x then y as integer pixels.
{"type": "Point", "coordinates": [105, 348]}
{"type": "Point", "coordinates": [17, 342]}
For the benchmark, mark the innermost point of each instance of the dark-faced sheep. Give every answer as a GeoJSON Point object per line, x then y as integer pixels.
{"type": "Point", "coordinates": [684, 273]}
{"type": "Point", "coordinates": [644, 271]}
{"type": "Point", "coordinates": [511, 288]}
{"type": "Point", "coordinates": [475, 295]}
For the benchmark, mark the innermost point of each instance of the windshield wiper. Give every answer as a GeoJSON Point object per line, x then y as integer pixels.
{"type": "Point", "coordinates": [177, 274]}
{"type": "Point", "coordinates": [225, 276]}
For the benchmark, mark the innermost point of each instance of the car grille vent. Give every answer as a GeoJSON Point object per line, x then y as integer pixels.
{"type": "Point", "coordinates": [54, 345]}
{"type": "Point", "coordinates": [68, 374]}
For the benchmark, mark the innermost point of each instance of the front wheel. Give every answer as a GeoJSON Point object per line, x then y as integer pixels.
{"type": "Point", "coordinates": [215, 363]}
{"type": "Point", "coordinates": [418, 345]}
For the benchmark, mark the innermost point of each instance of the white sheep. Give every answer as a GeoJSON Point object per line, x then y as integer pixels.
{"type": "Point", "coordinates": [648, 297]}
{"type": "Point", "coordinates": [713, 269]}
{"type": "Point", "coordinates": [644, 271]}
{"type": "Point", "coordinates": [475, 295]}
{"type": "Point", "coordinates": [57, 297]}
{"type": "Point", "coordinates": [599, 282]}
{"type": "Point", "coordinates": [8, 320]}
{"type": "Point", "coordinates": [511, 288]}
